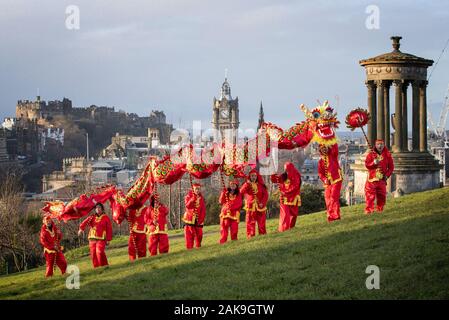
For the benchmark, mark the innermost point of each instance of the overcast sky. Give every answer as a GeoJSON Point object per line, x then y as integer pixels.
{"type": "Point", "coordinates": [171, 54]}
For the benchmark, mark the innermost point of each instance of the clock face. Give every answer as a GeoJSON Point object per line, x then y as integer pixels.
{"type": "Point", "coordinates": [224, 114]}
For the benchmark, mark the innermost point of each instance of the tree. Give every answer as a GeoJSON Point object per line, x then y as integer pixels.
{"type": "Point", "coordinates": [213, 209]}
{"type": "Point", "coordinates": [312, 199]}
{"type": "Point", "coordinates": [18, 242]}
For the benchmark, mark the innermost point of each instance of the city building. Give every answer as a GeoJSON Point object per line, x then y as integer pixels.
{"type": "Point", "coordinates": [225, 116]}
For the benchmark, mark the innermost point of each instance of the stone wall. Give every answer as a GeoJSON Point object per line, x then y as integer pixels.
{"type": "Point", "coordinates": [413, 172]}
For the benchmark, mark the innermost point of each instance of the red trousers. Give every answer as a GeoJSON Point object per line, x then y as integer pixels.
{"type": "Point", "coordinates": [373, 190]}
{"type": "Point", "coordinates": [227, 225]}
{"type": "Point", "coordinates": [139, 241]}
{"type": "Point", "coordinates": [97, 253]}
{"type": "Point", "coordinates": [287, 217]}
{"type": "Point", "coordinates": [156, 241]}
{"type": "Point", "coordinates": [193, 235]}
{"type": "Point", "coordinates": [50, 260]}
{"type": "Point", "coordinates": [253, 217]}
{"type": "Point", "coordinates": [332, 198]}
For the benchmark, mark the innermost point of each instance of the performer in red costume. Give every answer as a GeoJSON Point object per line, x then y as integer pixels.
{"type": "Point", "coordinates": [100, 234]}
{"type": "Point", "coordinates": [380, 167]}
{"type": "Point", "coordinates": [137, 234]}
{"type": "Point", "coordinates": [156, 220]}
{"type": "Point", "coordinates": [50, 239]}
{"type": "Point", "coordinates": [330, 174]}
{"type": "Point", "coordinates": [231, 203]}
{"type": "Point", "coordinates": [290, 197]}
{"type": "Point", "coordinates": [194, 216]}
{"type": "Point", "coordinates": [255, 193]}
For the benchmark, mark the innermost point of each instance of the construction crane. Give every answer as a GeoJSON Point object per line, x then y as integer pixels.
{"type": "Point", "coordinates": [440, 145]}
{"type": "Point", "coordinates": [431, 124]}
{"type": "Point", "coordinates": [441, 127]}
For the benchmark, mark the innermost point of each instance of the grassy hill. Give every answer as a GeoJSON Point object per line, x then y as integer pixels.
{"type": "Point", "coordinates": [409, 242]}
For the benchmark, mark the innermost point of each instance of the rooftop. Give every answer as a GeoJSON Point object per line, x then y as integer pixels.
{"type": "Point", "coordinates": [396, 56]}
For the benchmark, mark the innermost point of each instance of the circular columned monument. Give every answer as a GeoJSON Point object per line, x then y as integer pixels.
{"type": "Point", "coordinates": [415, 168]}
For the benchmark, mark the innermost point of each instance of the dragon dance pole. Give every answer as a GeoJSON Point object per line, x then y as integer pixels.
{"type": "Point", "coordinates": [191, 182]}
{"type": "Point", "coordinates": [358, 118]}
{"type": "Point", "coordinates": [366, 138]}
{"type": "Point", "coordinates": [223, 185]}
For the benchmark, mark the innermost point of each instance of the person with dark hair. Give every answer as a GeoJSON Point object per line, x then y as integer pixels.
{"type": "Point", "coordinates": [194, 217]}
{"type": "Point", "coordinates": [100, 234]}
{"type": "Point", "coordinates": [255, 193]}
{"type": "Point", "coordinates": [50, 238]}
{"type": "Point", "coordinates": [290, 195]}
{"type": "Point", "coordinates": [231, 203]}
{"type": "Point", "coordinates": [156, 220]}
{"type": "Point", "coordinates": [379, 163]}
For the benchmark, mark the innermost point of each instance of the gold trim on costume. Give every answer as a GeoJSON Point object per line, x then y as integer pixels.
{"type": "Point", "coordinates": [254, 207]}
{"type": "Point", "coordinates": [229, 216]}
{"type": "Point", "coordinates": [93, 234]}
{"type": "Point", "coordinates": [157, 231]}
{"type": "Point", "coordinates": [296, 201]}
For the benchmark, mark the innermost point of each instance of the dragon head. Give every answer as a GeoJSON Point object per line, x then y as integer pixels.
{"type": "Point", "coordinates": [323, 122]}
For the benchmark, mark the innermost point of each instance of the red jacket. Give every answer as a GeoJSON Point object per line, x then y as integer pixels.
{"type": "Point", "coordinates": [291, 187]}
{"type": "Point", "coordinates": [230, 205]}
{"type": "Point", "coordinates": [195, 209]}
{"type": "Point", "coordinates": [137, 220]}
{"type": "Point", "coordinates": [255, 194]}
{"type": "Point", "coordinates": [50, 239]}
{"type": "Point", "coordinates": [383, 169]}
{"type": "Point", "coordinates": [100, 227]}
{"type": "Point", "coordinates": [328, 167]}
{"type": "Point", "coordinates": [156, 219]}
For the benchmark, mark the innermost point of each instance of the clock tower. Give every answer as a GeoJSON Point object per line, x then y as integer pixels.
{"type": "Point", "coordinates": [226, 114]}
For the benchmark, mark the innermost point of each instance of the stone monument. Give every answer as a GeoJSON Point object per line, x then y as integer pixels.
{"type": "Point", "coordinates": [415, 169]}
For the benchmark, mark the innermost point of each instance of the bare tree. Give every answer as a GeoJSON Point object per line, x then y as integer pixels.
{"type": "Point", "coordinates": [17, 227]}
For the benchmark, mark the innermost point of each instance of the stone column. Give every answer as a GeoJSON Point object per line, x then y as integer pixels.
{"type": "Point", "coordinates": [415, 116]}
{"type": "Point", "coordinates": [398, 131]}
{"type": "Point", "coordinates": [380, 110]}
{"type": "Point", "coordinates": [404, 117]}
{"type": "Point", "coordinates": [423, 117]}
{"type": "Point", "coordinates": [372, 124]}
{"type": "Point", "coordinates": [386, 88]}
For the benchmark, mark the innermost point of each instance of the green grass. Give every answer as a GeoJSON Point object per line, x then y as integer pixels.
{"type": "Point", "coordinates": [409, 242]}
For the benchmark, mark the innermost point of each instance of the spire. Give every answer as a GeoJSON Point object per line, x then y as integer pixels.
{"type": "Point", "coordinates": [261, 116]}
{"type": "Point", "coordinates": [225, 90]}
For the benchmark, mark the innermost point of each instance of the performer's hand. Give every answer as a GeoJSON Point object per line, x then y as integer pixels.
{"type": "Point", "coordinates": [284, 176]}
{"type": "Point", "coordinates": [326, 181]}
{"type": "Point", "coordinates": [79, 232]}
{"type": "Point", "coordinates": [107, 243]}
{"type": "Point", "coordinates": [376, 161]}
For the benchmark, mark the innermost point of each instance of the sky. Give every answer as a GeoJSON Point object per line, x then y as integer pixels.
{"type": "Point", "coordinates": [172, 55]}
